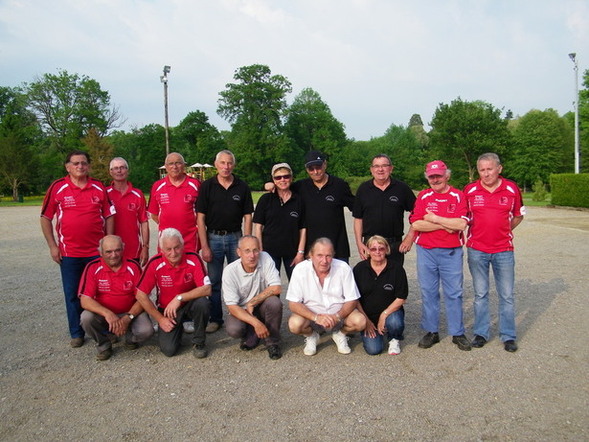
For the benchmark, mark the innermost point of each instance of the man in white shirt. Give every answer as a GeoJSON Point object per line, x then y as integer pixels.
{"type": "Point", "coordinates": [251, 290]}
{"type": "Point", "coordinates": [323, 296]}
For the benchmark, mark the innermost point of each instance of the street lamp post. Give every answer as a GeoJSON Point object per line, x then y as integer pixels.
{"type": "Point", "coordinates": [573, 57]}
{"type": "Point", "coordinates": [164, 79]}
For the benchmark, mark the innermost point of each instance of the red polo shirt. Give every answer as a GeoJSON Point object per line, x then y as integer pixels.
{"type": "Point", "coordinates": [131, 212]}
{"type": "Point", "coordinates": [451, 204]}
{"type": "Point", "coordinates": [113, 290]}
{"type": "Point", "coordinates": [490, 215]}
{"type": "Point", "coordinates": [80, 212]}
{"type": "Point", "coordinates": [176, 207]}
{"type": "Point", "coordinates": [172, 281]}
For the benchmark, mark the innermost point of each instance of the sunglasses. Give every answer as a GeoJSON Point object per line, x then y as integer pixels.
{"type": "Point", "coordinates": [377, 249]}
{"type": "Point", "coordinates": [282, 177]}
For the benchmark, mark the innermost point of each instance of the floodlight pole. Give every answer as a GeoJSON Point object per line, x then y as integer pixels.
{"type": "Point", "coordinates": [573, 57]}
{"type": "Point", "coordinates": [164, 80]}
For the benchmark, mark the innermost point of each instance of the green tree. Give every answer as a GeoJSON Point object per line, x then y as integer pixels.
{"type": "Point", "coordinates": [542, 144]}
{"type": "Point", "coordinates": [68, 106]}
{"type": "Point", "coordinates": [311, 126]}
{"type": "Point", "coordinates": [196, 136]}
{"type": "Point", "coordinates": [463, 130]}
{"type": "Point", "coordinates": [255, 106]}
{"type": "Point", "coordinates": [584, 123]}
{"type": "Point", "coordinates": [101, 152]}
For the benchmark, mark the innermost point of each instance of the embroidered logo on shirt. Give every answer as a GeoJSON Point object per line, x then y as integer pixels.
{"type": "Point", "coordinates": [294, 214]}
{"type": "Point", "coordinates": [236, 198]}
{"type": "Point", "coordinates": [187, 277]}
{"type": "Point", "coordinates": [388, 287]}
{"type": "Point", "coordinates": [128, 285]}
{"type": "Point", "coordinates": [330, 198]}
{"type": "Point", "coordinates": [394, 199]}
{"type": "Point", "coordinates": [132, 207]}
{"type": "Point", "coordinates": [95, 199]}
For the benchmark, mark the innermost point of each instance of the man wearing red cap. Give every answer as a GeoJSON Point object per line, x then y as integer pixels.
{"type": "Point", "coordinates": [438, 220]}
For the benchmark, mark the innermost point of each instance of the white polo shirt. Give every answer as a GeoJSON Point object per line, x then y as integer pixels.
{"type": "Point", "coordinates": [338, 288]}
{"type": "Point", "coordinates": [240, 286]}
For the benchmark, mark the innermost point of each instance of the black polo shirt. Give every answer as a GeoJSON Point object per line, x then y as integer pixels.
{"type": "Point", "coordinates": [281, 222]}
{"type": "Point", "coordinates": [224, 209]}
{"type": "Point", "coordinates": [382, 211]}
{"type": "Point", "coordinates": [324, 211]}
{"type": "Point", "coordinates": [377, 292]}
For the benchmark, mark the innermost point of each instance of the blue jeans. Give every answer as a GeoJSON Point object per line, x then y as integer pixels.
{"type": "Point", "coordinates": [503, 264]}
{"type": "Point", "coordinates": [221, 246]}
{"type": "Point", "coordinates": [445, 265]}
{"type": "Point", "coordinates": [395, 325]}
{"type": "Point", "coordinates": [71, 273]}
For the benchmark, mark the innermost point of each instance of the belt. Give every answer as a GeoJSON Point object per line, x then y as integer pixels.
{"type": "Point", "coordinates": [222, 232]}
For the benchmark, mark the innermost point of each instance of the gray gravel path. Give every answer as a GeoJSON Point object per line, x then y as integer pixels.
{"type": "Point", "coordinates": [49, 391]}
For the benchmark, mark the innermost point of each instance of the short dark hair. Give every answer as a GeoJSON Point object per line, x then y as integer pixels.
{"type": "Point", "coordinates": [77, 152]}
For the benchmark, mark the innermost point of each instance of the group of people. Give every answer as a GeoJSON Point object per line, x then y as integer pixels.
{"type": "Point", "coordinates": [108, 276]}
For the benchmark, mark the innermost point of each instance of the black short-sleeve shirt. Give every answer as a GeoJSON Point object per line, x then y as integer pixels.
{"type": "Point", "coordinates": [377, 292]}
{"type": "Point", "coordinates": [282, 222]}
{"type": "Point", "coordinates": [224, 209]}
{"type": "Point", "coordinates": [324, 211]}
{"type": "Point", "coordinates": [382, 211]}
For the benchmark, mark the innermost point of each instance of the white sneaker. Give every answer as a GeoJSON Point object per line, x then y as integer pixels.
{"type": "Point", "coordinates": [394, 347]}
{"type": "Point", "coordinates": [311, 344]}
{"type": "Point", "coordinates": [341, 340]}
{"type": "Point", "coordinates": [188, 326]}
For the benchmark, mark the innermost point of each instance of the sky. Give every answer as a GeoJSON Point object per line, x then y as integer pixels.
{"type": "Point", "coordinates": [374, 62]}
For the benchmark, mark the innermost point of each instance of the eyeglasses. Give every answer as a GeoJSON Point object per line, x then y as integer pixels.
{"type": "Point", "coordinates": [314, 168]}
{"type": "Point", "coordinates": [119, 168]}
{"type": "Point", "coordinates": [380, 166]}
{"type": "Point", "coordinates": [79, 163]}
{"type": "Point", "coordinates": [377, 249]}
{"type": "Point", "coordinates": [177, 163]}
{"type": "Point", "coordinates": [282, 177]}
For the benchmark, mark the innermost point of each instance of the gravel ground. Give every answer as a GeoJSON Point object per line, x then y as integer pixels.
{"type": "Point", "coordinates": [50, 391]}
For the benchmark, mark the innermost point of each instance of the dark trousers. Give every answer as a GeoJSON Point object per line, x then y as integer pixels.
{"type": "Point", "coordinates": [198, 310]}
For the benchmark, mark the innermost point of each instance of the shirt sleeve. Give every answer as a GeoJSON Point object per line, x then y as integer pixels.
{"type": "Point", "coordinates": [152, 207]}
{"type": "Point", "coordinates": [230, 286]}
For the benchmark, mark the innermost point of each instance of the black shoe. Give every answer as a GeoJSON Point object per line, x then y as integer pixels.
{"type": "Point", "coordinates": [429, 340]}
{"type": "Point", "coordinates": [510, 346]}
{"type": "Point", "coordinates": [245, 347]}
{"type": "Point", "coordinates": [131, 345]}
{"type": "Point", "coordinates": [104, 355]}
{"type": "Point", "coordinates": [462, 342]}
{"type": "Point", "coordinates": [200, 351]}
{"type": "Point", "coordinates": [274, 352]}
{"type": "Point", "coordinates": [478, 342]}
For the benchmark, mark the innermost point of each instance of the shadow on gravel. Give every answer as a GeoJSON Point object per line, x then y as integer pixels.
{"type": "Point", "coordinates": [533, 299]}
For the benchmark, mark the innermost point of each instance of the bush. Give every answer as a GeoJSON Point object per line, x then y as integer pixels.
{"type": "Point", "coordinates": [569, 189]}
{"type": "Point", "coordinates": [540, 191]}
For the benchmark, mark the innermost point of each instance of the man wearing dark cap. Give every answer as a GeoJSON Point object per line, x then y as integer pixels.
{"type": "Point", "coordinates": [324, 198]}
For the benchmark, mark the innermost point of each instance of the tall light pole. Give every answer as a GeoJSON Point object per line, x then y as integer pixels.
{"type": "Point", "coordinates": [573, 57]}
{"type": "Point", "coordinates": [164, 79]}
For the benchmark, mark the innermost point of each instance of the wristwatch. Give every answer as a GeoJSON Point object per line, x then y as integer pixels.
{"type": "Point", "coordinates": [131, 316]}
{"type": "Point", "coordinates": [180, 298]}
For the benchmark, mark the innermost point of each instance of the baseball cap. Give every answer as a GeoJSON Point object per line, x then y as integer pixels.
{"type": "Point", "coordinates": [280, 166]}
{"type": "Point", "coordinates": [435, 168]}
{"type": "Point", "coordinates": [314, 158]}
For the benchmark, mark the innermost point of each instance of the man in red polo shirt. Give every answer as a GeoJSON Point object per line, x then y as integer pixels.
{"type": "Point", "coordinates": [84, 214]}
{"type": "Point", "coordinates": [107, 295]}
{"type": "Point", "coordinates": [495, 208]}
{"type": "Point", "coordinates": [131, 217]}
{"type": "Point", "coordinates": [172, 202]}
{"type": "Point", "coordinates": [183, 288]}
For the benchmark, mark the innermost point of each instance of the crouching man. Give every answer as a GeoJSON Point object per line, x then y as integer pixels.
{"type": "Point", "coordinates": [183, 289]}
{"type": "Point", "coordinates": [322, 297]}
{"type": "Point", "coordinates": [251, 291]}
{"type": "Point", "coordinates": [107, 295]}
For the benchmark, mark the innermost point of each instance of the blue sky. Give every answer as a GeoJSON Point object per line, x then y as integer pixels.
{"type": "Point", "coordinates": [374, 62]}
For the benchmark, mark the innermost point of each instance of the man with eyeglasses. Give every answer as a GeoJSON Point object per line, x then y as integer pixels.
{"type": "Point", "coordinates": [439, 219]}
{"type": "Point", "coordinates": [107, 295]}
{"type": "Point", "coordinates": [84, 214]}
{"type": "Point", "coordinates": [379, 209]}
{"type": "Point", "coordinates": [172, 201]}
{"type": "Point", "coordinates": [324, 198]}
{"type": "Point", "coordinates": [131, 217]}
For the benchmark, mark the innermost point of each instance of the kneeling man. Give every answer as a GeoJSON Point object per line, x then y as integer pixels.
{"type": "Point", "coordinates": [107, 295]}
{"type": "Point", "coordinates": [251, 291]}
{"type": "Point", "coordinates": [322, 297]}
{"type": "Point", "coordinates": [183, 288]}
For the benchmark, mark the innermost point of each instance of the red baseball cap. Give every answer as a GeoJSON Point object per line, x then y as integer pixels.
{"type": "Point", "coordinates": [435, 168]}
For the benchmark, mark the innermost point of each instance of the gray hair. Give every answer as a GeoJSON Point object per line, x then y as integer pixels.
{"type": "Point", "coordinates": [175, 153]}
{"type": "Point", "coordinates": [170, 233]}
{"type": "Point", "coordinates": [244, 237]}
{"type": "Point", "coordinates": [448, 173]}
{"type": "Point", "coordinates": [225, 152]}
{"type": "Point", "coordinates": [110, 236]}
{"type": "Point", "coordinates": [490, 156]}
{"type": "Point", "coordinates": [118, 159]}
{"type": "Point", "coordinates": [324, 241]}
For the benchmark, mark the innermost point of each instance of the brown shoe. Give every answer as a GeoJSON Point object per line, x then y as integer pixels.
{"type": "Point", "coordinates": [77, 342]}
{"type": "Point", "coordinates": [104, 355]}
{"type": "Point", "coordinates": [212, 327]}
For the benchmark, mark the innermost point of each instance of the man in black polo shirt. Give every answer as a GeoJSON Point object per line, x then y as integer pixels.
{"type": "Point", "coordinates": [324, 198]}
{"type": "Point", "coordinates": [223, 203]}
{"type": "Point", "coordinates": [379, 209]}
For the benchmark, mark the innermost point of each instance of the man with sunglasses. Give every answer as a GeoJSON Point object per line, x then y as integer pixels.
{"type": "Point", "coordinates": [379, 209]}
{"type": "Point", "coordinates": [324, 198]}
{"type": "Point", "coordinates": [439, 219]}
